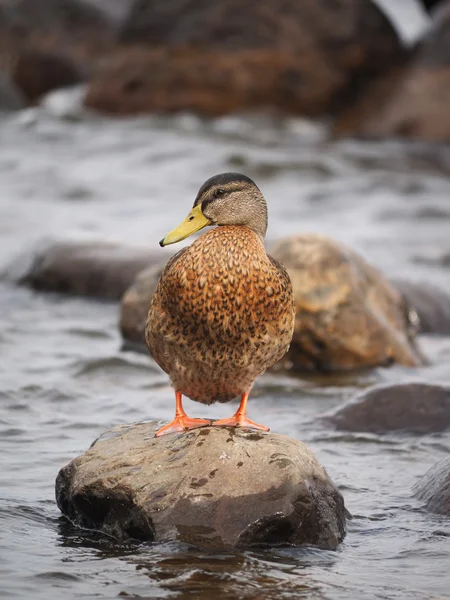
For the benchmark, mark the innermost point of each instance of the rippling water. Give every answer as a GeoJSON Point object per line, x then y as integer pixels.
{"type": "Point", "coordinates": [64, 379]}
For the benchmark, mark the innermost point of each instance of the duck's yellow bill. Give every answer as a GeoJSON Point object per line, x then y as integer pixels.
{"type": "Point", "coordinates": [195, 221]}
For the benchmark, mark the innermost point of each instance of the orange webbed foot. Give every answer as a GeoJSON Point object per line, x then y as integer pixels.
{"type": "Point", "coordinates": [239, 421]}
{"type": "Point", "coordinates": [181, 424]}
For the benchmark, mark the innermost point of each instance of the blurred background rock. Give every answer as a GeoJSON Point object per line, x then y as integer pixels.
{"type": "Point", "coordinates": [356, 62]}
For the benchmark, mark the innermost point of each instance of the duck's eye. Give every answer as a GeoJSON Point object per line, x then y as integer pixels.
{"type": "Point", "coordinates": [219, 192]}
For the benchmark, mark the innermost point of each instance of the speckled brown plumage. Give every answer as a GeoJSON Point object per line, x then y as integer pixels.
{"type": "Point", "coordinates": [223, 312]}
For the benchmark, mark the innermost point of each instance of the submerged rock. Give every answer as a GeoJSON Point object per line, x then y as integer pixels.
{"type": "Point", "coordinates": [434, 488]}
{"type": "Point", "coordinates": [212, 487]}
{"type": "Point", "coordinates": [99, 269]}
{"type": "Point", "coordinates": [413, 407]}
{"type": "Point", "coordinates": [216, 58]}
{"type": "Point", "coordinates": [348, 315]}
{"type": "Point", "coordinates": [431, 304]}
{"type": "Point", "coordinates": [414, 101]}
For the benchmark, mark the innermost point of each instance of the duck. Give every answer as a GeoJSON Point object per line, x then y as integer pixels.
{"type": "Point", "coordinates": [223, 310]}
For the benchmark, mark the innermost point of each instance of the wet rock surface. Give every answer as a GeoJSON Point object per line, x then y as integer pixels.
{"type": "Point", "coordinates": [348, 316]}
{"type": "Point", "coordinates": [414, 102]}
{"type": "Point", "coordinates": [434, 488]}
{"type": "Point", "coordinates": [410, 407]}
{"type": "Point", "coordinates": [218, 58]}
{"type": "Point", "coordinates": [98, 269]}
{"type": "Point", "coordinates": [135, 305]}
{"type": "Point", "coordinates": [431, 304]}
{"type": "Point", "coordinates": [212, 487]}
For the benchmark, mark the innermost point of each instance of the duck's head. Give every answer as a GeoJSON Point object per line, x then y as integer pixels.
{"type": "Point", "coordinates": [225, 199]}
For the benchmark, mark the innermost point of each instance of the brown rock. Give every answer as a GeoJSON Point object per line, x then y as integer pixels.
{"type": "Point", "coordinates": [413, 407]}
{"type": "Point", "coordinates": [135, 304]}
{"type": "Point", "coordinates": [212, 487]}
{"type": "Point", "coordinates": [431, 304]}
{"type": "Point", "coordinates": [36, 72]}
{"type": "Point", "coordinates": [212, 58]}
{"type": "Point", "coordinates": [103, 270]}
{"type": "Point", "coordinates": [48, 44]}
{"type": "Point", "coordinates": [348, 315]}
{"type": "Point", "coordinates": [434, 488]}
{"type": "Point", "coordinates": [414, 101]}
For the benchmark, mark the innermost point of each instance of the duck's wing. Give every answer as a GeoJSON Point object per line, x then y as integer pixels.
{"type": "Point", "coordinates": [284, 275]}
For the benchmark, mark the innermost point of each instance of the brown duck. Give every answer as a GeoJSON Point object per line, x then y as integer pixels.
{"type": "Point", "coordinates": [223, 310]}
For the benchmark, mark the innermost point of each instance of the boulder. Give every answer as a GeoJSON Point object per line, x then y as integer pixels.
{"type": "Point", "coordinates": [219, 488]}
{"type": "Point", "coordinates": [431, 304]}
{"type": "Point", "coordinates": [50, 44]}
{"type": "Point", "coordinates": [413, 407]}
{"type": "Point", "coordinates": [214, 58]}
{"type": "Point", "coordinates": [413, 102]}
{"type": "Point", "coordinates": [36, 72]}
{"type": "Point", "coordinates": [348, 316]}
{"type": "Point", "coordinates": [10, 96]}
{"type": "Point", "coordinates": [99, 269]}
{"type": "Point", "coordinates": [135, 304]}
{"type": "Point", "coordinates": [434, 488]}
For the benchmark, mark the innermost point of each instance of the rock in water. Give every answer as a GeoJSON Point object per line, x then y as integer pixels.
{"type": "Point", "coordinates": [434, 488]}
{"type": "Point", "coordinates": [212, 487]}
{"type": "Point", "coordinates": [97, 269]}
{"type": "Point", "coordinates": [414, 407]}
{"type": "Point", "coordinates": [217, 58]}
{"type": "Point", "coordinates": [348, 315]}
{"type": "Point", "coordinates": [412, 102]}
{"type": "Point", "coordinates": [431, 304]}
{"type": "Point", "coordinates": [134, 307]}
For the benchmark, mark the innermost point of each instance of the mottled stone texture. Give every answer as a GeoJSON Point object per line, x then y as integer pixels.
{"type": "Point", "coordinates": [434, 488]}
{"type": "Point", "coordinates": [212, 487]}
{"type": "Point", "coordinates": [348, 315]}
{"type": "Point", "coordinates": [413, 407]}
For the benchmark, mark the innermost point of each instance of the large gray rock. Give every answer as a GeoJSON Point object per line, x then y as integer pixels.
{"type": "Point", "coordinates": [413, 407]}
{"type": "Point", "coordinates": [212, 487]}
{"type": "Point", "coordinates": [431, 304]}
{"type": "Point", "coordinates": [434, 488]}
{"type": "Point", "coordinates": [98, 269]}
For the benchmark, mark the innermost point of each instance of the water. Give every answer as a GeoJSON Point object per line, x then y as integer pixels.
{"type": "Point", "coordinates": [64, 379]}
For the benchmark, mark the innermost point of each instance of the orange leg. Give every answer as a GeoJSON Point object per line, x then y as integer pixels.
{"type": "Point", "coordinates": [239, 419]}
{"type": "Point", "coordinates": [181, 422]}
